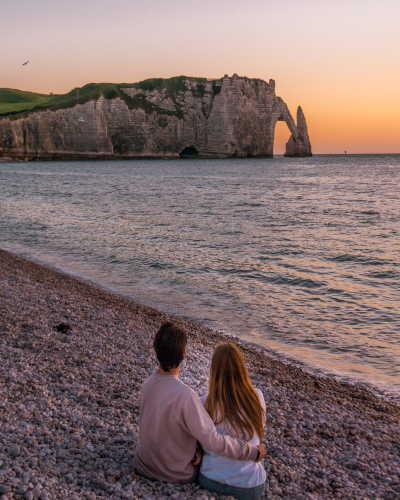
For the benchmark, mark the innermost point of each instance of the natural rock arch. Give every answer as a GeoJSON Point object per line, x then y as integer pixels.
{"type": "Point", "coordinates": [280, 138]}
{"type": "Point", "coordinates": [299, 142]}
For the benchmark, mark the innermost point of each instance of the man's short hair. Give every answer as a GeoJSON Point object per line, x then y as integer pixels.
{"type": "Point", "coordinates": [169, 343]}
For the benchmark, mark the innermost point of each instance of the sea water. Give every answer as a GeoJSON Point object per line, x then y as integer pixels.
{"type": "Point", "coordinates": [300, 256]}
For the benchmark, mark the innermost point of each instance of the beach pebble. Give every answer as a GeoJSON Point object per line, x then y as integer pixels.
{"type": "Point", "coordinates": [14, 450]}
{"type": "Point", "coordinates": [37, 490]}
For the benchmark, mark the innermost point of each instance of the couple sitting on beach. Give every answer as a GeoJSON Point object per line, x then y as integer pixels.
{"type": "Point", "coordinates": [216, 439]}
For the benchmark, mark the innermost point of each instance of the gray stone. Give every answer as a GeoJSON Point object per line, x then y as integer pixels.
{"type": "Point", "coordinates": [15, 450]}
{"type": "Point", "coordinates": [37, 490]}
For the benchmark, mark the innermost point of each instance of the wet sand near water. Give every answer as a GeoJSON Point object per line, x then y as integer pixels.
{"type": "Point", "coordinates": [69, 402]}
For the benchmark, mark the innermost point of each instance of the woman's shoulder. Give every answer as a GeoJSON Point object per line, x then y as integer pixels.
{"type": "Point", "coordinates": [261, 396]}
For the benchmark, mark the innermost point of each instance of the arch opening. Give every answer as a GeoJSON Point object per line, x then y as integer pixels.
{"type": "Point", "coordinates": [281, 137]}
{"type": "Point", "coordinates": [189, 152]}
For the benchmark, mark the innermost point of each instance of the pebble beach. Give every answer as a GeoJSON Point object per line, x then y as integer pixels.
{"type": "Point", "coordinates": [69, 402]}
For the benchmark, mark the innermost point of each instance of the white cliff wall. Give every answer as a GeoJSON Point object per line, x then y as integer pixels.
{"type": "Point", "coordinates": [238, 121]}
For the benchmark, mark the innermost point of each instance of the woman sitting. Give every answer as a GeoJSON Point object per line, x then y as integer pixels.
{"type": "Point", "coordinates": [238, 409]}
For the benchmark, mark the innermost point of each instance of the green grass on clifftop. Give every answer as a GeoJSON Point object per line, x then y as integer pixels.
{"type": "Point", "coordinates": [171, 85]}
{"type": "Point", "coordinates": [17, 104]}
{"type": "Point", "coordinates": [12, 100]}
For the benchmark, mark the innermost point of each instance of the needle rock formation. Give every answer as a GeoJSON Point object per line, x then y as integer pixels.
{"type": "Point", "coordinates": [180, 117]}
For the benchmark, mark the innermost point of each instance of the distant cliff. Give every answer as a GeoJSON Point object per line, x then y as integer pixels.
{"type": "Point", "coordinates": [186, 117]}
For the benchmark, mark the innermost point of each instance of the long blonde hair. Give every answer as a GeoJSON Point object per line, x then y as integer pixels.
{"type": "Point", "coordinates": [232, 398]}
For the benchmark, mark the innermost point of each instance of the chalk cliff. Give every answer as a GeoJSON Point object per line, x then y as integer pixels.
{"type": "Point", "coordinates": [231, 117]}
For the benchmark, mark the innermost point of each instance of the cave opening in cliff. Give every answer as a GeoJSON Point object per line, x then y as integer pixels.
{"type": "Point", "coordinates": [189, 152]}
{"type": "Point", "coordinates": [281, 136]}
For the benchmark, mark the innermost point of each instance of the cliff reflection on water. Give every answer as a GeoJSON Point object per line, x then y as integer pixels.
{"type": "Point", "coordinates": [299, 255]}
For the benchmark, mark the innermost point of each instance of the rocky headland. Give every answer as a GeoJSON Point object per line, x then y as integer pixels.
{"type": "Point", "coordinates": [180, 117]}
{"type": "Point", "coordinates": [69, 402]}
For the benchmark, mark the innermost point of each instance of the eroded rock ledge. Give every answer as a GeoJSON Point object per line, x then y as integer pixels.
{"type": "Point", "coordinates": [231, 117]}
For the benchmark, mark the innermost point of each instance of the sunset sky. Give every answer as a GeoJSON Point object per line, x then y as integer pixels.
{"type": "Point", "coordinates": [338, 59]}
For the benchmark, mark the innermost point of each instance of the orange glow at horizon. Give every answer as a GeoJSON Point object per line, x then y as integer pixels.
{"type": "Point", "coordinates": [336, 59]}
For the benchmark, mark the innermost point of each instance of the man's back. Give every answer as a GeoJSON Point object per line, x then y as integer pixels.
{"type": "Point", "coordinates": [165, 447]}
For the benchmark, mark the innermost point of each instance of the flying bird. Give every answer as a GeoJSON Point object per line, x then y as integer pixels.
{"type": "Point", "coordinates": [25, 63]}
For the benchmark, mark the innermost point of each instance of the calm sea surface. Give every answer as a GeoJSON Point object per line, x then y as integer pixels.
{"type": "Point", "coordinates": [301, 256]}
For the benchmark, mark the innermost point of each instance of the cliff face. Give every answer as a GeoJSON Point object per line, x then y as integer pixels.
{"type": "Point", "coordinates": [234, 117]}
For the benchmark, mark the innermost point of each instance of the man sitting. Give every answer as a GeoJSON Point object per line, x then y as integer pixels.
{"type": "Point", "coordinates": [172, 419]}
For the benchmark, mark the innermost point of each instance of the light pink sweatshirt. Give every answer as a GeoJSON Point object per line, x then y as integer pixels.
{"type": "Point", "coordinates": [172, 419]}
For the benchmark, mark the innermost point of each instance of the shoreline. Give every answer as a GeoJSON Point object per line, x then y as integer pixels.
{"type": "Point", "coordinates": [325, 438]}
{"type": "Point", "coordinates": [380, 390]}
{"type": "Point", "coordinates": [18, 158]}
